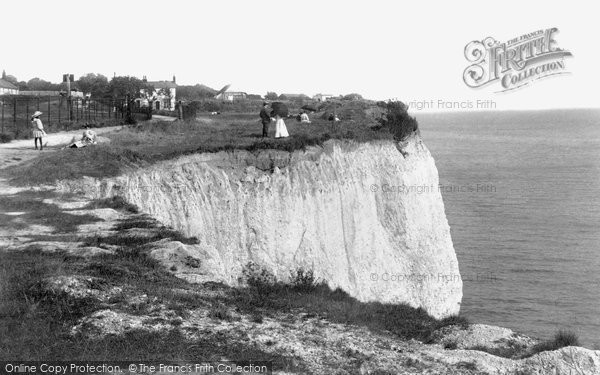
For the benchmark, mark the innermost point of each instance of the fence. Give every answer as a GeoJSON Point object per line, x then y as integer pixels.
{"type": "Point", "coordinates": [59, 112]}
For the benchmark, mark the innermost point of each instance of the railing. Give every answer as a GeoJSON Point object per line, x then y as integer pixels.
{"type": "Point", "coordinates": [58, 112]}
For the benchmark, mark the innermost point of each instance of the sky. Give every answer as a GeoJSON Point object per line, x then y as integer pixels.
{"type": "Point", "coordinates": [411, 51]}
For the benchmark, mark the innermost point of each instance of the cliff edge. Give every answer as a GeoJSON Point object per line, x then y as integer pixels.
{"type": "Point", "coordinates": [365, 217]}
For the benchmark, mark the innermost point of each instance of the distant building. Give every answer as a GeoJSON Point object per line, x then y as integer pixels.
{"type": "Point", "coordinates": [7, 88]}
{"type": "Point", "coordinates": [322, 97]}
{"type": "Point", "coordinates": [163, 96]}
{"type": "Point", "coordinates": [232, 95]}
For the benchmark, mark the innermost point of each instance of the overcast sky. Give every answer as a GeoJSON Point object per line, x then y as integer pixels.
{"type": "Point", "coordinates": [413, 51]}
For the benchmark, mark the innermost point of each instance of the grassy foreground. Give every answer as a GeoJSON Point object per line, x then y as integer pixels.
{"type": "Point", "coordinates": [148, 143]}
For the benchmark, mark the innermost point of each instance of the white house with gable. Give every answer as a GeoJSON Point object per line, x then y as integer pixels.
{"type": "Point", "coordinates": [163, 96]}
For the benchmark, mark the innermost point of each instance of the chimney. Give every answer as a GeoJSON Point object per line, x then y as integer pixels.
{"type": "Point", "coordinates": [144, 79]}
{"type": "Point", "coordinates": [174, 79]}
{"type": "Point", "coordinates": [4, 74]}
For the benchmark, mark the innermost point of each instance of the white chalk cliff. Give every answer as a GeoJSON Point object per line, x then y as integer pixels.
{"type": "Point", "coordinates": [365, 217]}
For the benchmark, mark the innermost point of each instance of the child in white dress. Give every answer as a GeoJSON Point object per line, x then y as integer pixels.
{"type": "Point", "coordinates": [37, 129]}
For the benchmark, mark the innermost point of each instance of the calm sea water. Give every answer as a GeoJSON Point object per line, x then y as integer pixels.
{"type": "Point", "coordinates": [528, 236]}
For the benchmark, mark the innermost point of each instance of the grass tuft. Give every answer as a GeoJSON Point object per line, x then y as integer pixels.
{"type": "Point", "coordinates": [561, 339]}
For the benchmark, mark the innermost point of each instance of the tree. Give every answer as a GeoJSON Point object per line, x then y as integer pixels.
{"type": "Point", "coordinates": [271, 96]}
{"type": "Point", "coordinates": [94, 84]}
{"type": "Point", "coordinates": [282, 97]}
{"type": "Point", "coordinates": [120, 87]}
{"type": "Point", "coordinates": [38, 84]}
{"type": "Point", "coordinates": [353, 96]}
{"type": "Point", "coordinates": [196, 92]}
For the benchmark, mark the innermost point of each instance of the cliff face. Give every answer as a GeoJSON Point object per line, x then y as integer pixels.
{"type": "Point", "coordinates": [367, 218]}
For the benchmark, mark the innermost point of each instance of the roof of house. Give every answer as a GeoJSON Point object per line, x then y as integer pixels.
{"type": "Point", "coordinates": [162, 84]}
{"type": "Point", "coordinates": [7, 85]}
{"type": "Point", "coordinates": [235, 93]}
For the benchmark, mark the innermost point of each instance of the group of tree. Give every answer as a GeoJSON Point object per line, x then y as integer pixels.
{"type": "Point", "coordinates": [34, 84]}
{"type": "Point", "coordinates": [195, 92]}
{"type": "Point", "coordinates": [99, 86]}
{"type": "Point", "coordinates": [119, 87]}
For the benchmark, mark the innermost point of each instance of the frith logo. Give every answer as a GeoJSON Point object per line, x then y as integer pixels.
{"type": "Point", "coordinates": [515, 63]}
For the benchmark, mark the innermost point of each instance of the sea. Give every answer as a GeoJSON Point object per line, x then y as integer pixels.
{"type": "Point", "coordinates": [521, 191]}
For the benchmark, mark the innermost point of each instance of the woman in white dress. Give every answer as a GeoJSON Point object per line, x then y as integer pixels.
{"type": "Point", "coordinates": [280, 128]}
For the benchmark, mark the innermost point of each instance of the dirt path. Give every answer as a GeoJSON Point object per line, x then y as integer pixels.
{"type": "Point", "coordinates": [22, 150]}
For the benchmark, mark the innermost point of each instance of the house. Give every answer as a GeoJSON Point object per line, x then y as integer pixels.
{"type": "Point", "coordinates": [163, 96]}
{"type": "Point", "coordinates": [232, 95]}
{"type": "Point", "coordinates": [7, 88]}
{"type": "Point", "coordinates": [322, 97]}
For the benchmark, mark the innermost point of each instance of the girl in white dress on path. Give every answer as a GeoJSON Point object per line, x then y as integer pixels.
{"type": "Point", "coordinates": [37, 129]}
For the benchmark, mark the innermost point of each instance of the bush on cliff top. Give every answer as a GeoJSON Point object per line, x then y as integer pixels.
{"type": "Point", "coordinates": [397, 120]}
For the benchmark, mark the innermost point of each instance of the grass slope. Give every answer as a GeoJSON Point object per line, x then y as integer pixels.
{"type": "Point", "coordinates": [151, 142]}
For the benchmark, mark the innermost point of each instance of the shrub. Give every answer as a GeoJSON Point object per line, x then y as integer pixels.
{"type": "Point", "coordinates": [303, 280]}
{"type": "Point", "coordinates": [5, 138]}
{"type": "Point", "coordinates": [453, 320]}
{"type": "Point", "coordinates": [220, 313]}
{"type": "Point", "coordinates": [191, 110]}
{"type": "Point", "coordinates": [566, 338]}
{"type": "Point", "coordinates": [130, 119]}
{"type": "Point", "coordinates": [451, 345]}
{"type": "Point", "coordinates": [260, 279]}
{"type": "Point", "coordinates": [561, 339]}
{"type": "Point", "coordinates": [397, 119]}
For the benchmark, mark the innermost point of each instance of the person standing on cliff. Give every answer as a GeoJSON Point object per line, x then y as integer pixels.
{"type": "Point", "coordinates": [265, 118]}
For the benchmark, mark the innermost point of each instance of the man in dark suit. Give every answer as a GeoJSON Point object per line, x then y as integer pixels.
{"type": "Point", "coordinates": [265, 118]}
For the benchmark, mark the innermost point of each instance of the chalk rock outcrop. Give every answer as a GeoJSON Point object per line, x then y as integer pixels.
{"type": "Point", "coordinates": [365, 217]}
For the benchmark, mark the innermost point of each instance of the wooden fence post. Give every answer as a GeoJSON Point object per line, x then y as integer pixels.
{"type": "Point", "coordinates": [27, 109]}
{"type": "Point", "coordinates": [15, 113]}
